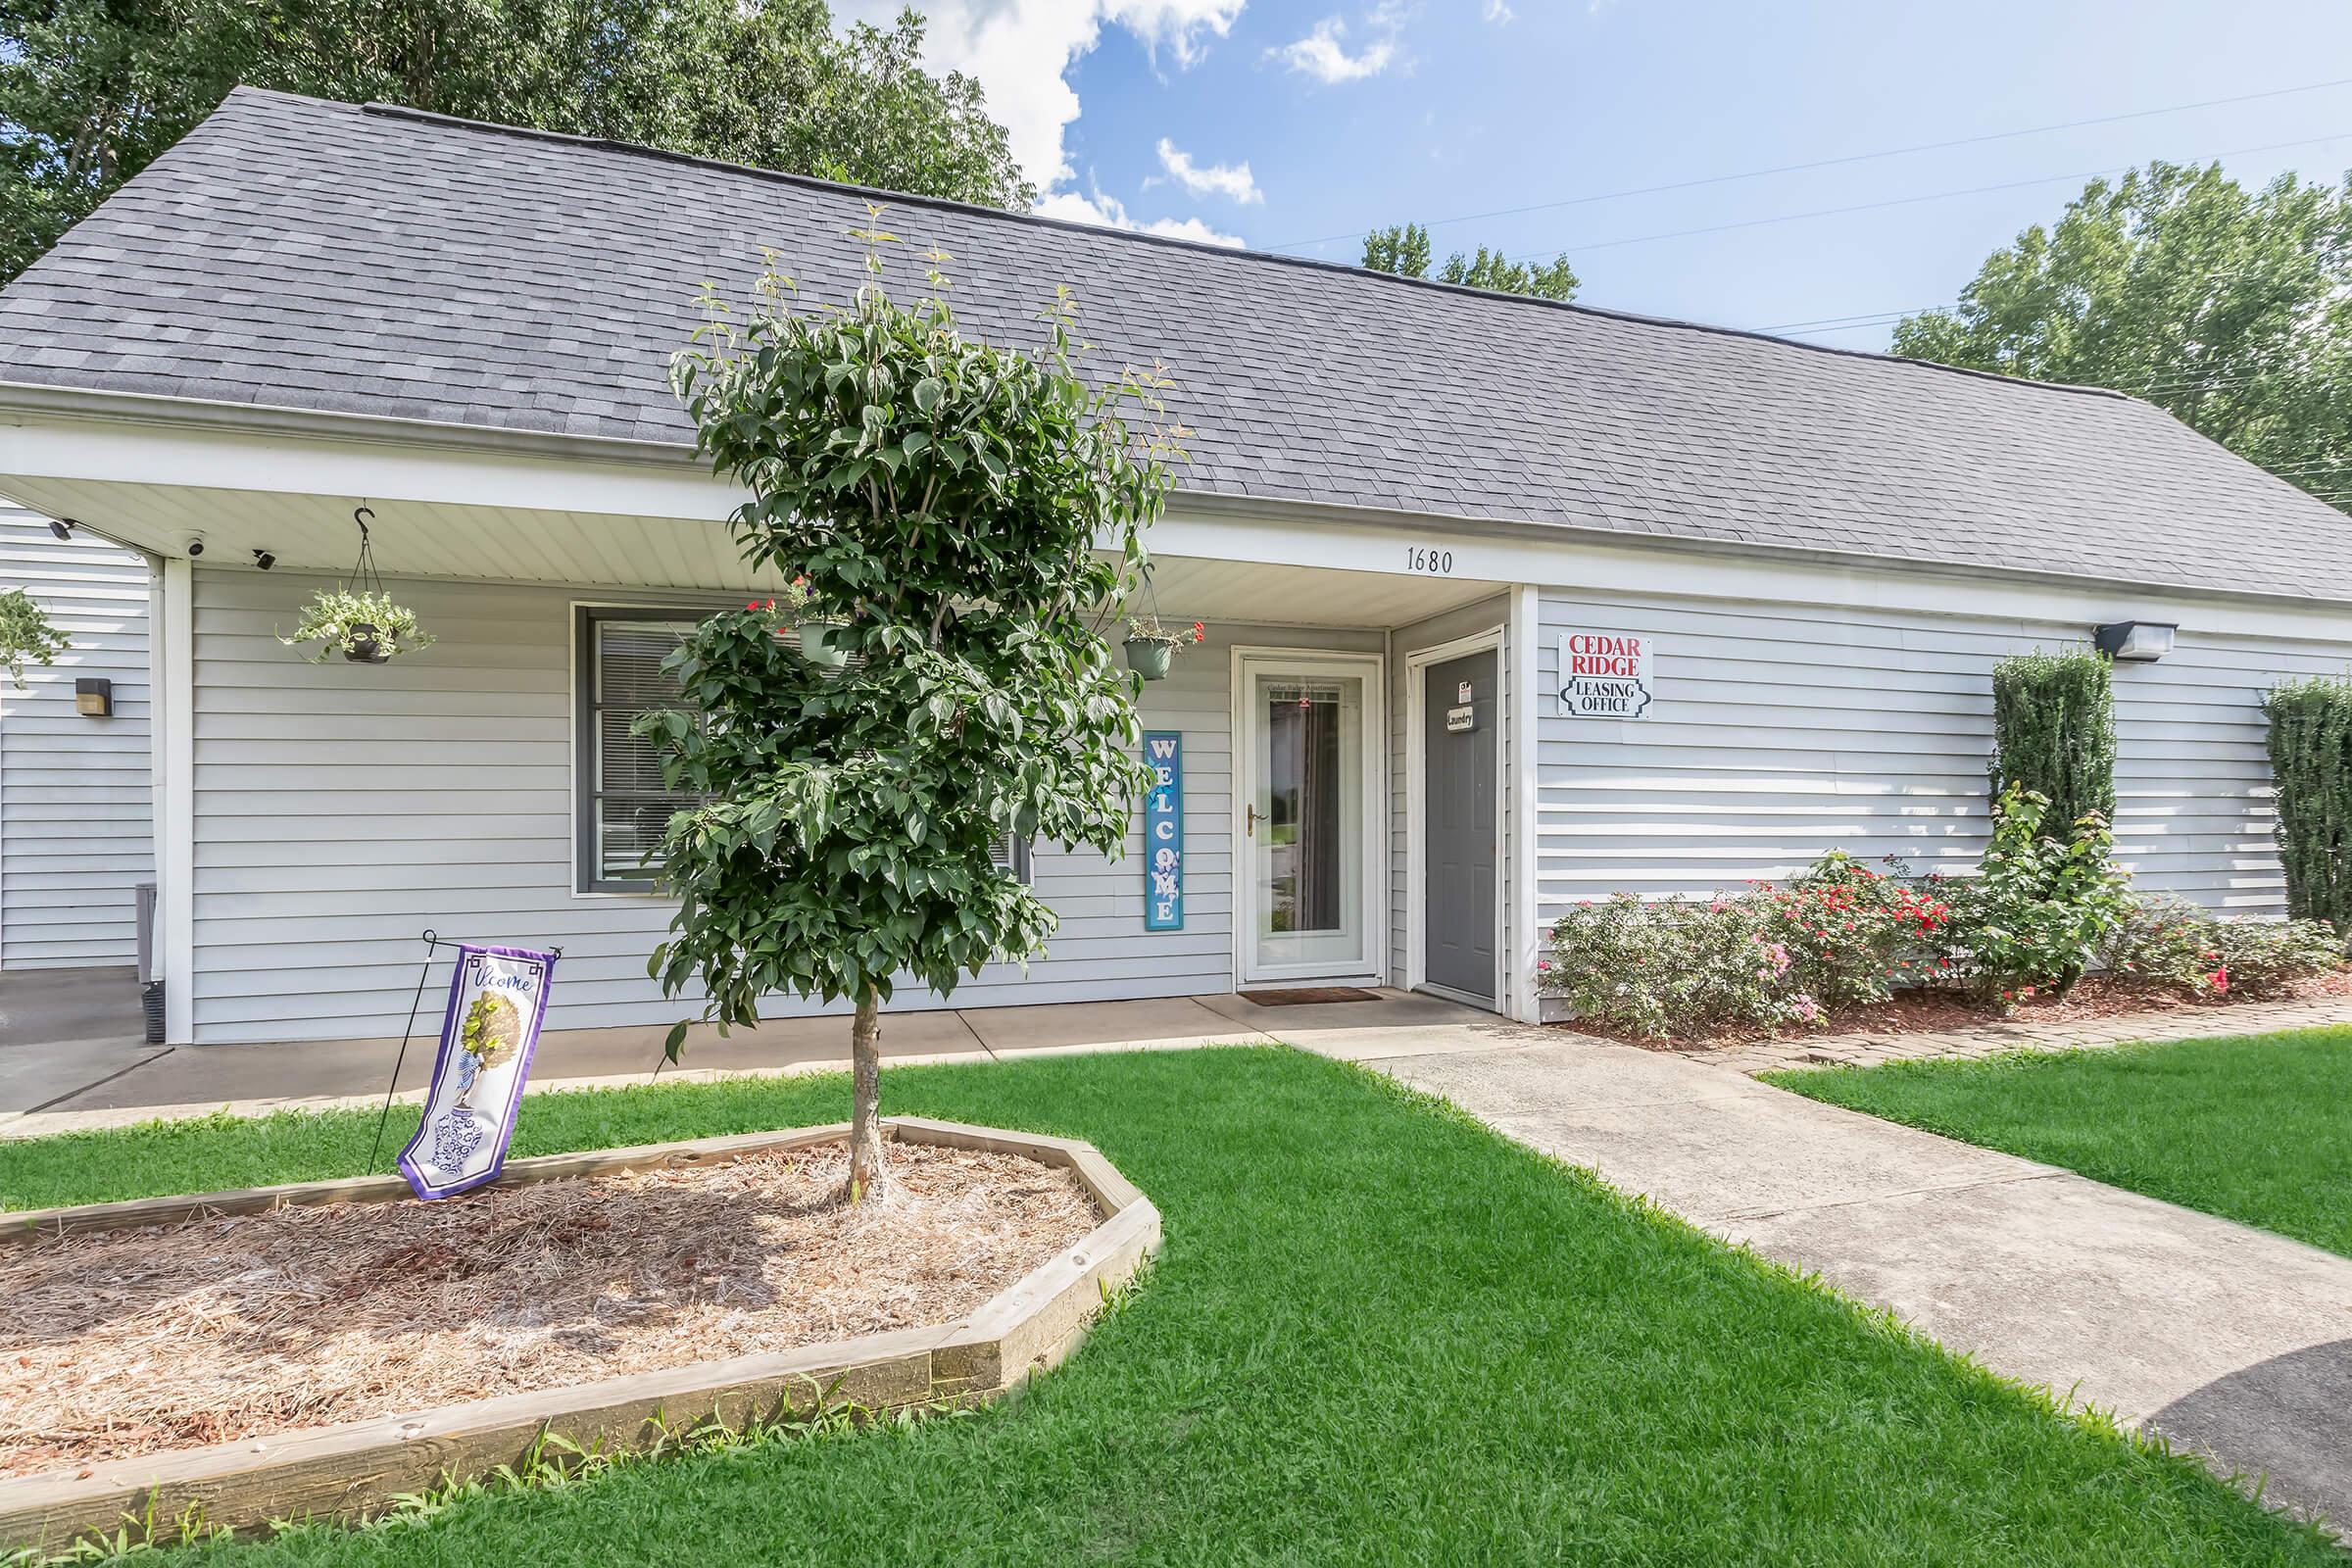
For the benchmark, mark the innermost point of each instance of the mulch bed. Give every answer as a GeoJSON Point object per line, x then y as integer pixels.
{"type": "Point", "coordinates": [122, 1343]}
{"type": "Point", "coordinates": [1929, 1012]}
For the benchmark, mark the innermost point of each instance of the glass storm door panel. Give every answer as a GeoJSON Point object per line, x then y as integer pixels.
{"type": "Point", "coordinates": [1303, 821]}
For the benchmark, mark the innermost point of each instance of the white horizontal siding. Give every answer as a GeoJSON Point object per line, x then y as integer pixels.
{"type": "Point", "coordinates": [1779, 732]}
{"type": "Point", "coordinates": [341, 809]}
{"type": "Point", "coordinates": [77, 795]}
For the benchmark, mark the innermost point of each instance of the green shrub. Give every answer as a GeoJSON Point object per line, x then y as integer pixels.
{"type": "Point", "coordinates": [2311, 769]}
{"type": "Point", "coordinates": [2038, 912]}
{"type": "Point", "coordinates": [2053, 732]}
{"type": "Point", "coordinates": [2166, 941]}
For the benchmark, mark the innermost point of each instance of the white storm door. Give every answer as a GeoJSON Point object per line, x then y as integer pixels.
{"type": "Point", "coordinates": [1309, 738]}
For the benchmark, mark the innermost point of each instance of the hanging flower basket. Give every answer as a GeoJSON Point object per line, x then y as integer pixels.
{"type": "Point", "coordinates": [1151, 647]}
{"type": "Point", "coordinates": [363, 622]}
{"type": "Point", "coordinates": [818, 648]}
{"type": "Point", "coordinates": [366, 629]}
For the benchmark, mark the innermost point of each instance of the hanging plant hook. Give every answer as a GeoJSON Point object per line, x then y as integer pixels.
{"type": "Point", "coordinates": [360, 618]}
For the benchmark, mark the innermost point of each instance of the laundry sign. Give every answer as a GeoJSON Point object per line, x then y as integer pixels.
{"type": "Point", "coordinates": [1605, 675]}
{"type": "Point", "coordinates": [497, 1002]}
{"type": "Point", "coordinates": [1164, 831]}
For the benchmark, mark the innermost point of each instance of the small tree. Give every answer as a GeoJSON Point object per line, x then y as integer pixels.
{"type": "Point", "coordinates": [2311, 771]}
{"type": "Point", "coordinates": [2053, 732]}
{"type": "Point", "coordinates": [942, 499]}
{"type": "Point", "coordinates": [25, 635]}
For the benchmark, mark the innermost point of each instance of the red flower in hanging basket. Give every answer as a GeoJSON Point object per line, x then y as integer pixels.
{"type": "Point", "coordinates": [1200, 632]}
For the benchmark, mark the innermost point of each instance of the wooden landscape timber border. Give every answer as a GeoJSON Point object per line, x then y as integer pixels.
{"type": "Point", "coordinates": [357, 1469]}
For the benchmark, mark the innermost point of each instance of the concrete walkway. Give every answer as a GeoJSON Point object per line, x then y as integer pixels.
{"type": "Point", "coordinates": [2231, 1341]}
{"type": "Point", "coordinates": [74, 1079]}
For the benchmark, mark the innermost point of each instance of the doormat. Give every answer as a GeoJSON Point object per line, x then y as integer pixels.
{"type": "Point", "coordinates": [1307, 993]}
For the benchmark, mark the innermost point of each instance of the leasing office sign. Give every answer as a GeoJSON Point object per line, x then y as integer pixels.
{"type": "Point", "coordinates": [1605, 675]}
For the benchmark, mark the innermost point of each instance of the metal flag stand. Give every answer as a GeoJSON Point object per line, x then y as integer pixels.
{"type": "Point", "coordinates": [424, 971]}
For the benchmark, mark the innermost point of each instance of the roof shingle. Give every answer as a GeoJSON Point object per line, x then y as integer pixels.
{"type": "Point", "coordinates": [312, 255]}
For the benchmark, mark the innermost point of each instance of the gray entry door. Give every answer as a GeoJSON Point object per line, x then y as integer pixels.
{"type": "Point", "coordinates": [1460, 753]}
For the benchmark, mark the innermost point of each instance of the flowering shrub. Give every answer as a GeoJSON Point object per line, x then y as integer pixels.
{"type": "Point", "coordinates": [2038, 912]}
{"type": "Point", "coordinates": [1675, 967]}
{"type": "Point", "coordinates": [1766, 958]}
{"type": "Point", "coordinates": [2168, 941]}
{"type": "Point", "coordinates": [2037, 915]}
{"type": "Point", "coordinates": [1855, 934]}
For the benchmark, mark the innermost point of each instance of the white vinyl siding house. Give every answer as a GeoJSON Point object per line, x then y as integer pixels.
{"type": "Point", "coordinates": [76, 793]}
{"type": "Point", "coordinates": [1782, 731]}
{"type": "Point", "coordinates": [1390, 482]}
{"type": "Point", "coordinates": [341, 809]}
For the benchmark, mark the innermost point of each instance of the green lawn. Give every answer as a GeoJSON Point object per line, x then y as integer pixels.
{"type": "Point", "coordinates": [1379, 1334]}
{"type": "Point", "coordinates": [2253, 1127]}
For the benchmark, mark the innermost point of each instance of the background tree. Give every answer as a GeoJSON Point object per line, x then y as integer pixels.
{"type": "Point", "coordinates": [943, 496]}
{"type": "Point", "coordinates": [1403, 249]}
{"type": "Point", "coordinates": [92, 90]}
{"type": "Point", "coordinates": [2232, 310]}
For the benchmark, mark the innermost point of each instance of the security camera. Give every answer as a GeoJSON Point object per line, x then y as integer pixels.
{"type": "Point", "coordinates": [264, 560]}
{"type": "Point", "coordinates": [195, 547]}
{"type": "Point", "coordinates": [63, 527]}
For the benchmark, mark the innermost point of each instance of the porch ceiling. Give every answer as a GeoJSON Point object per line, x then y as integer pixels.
{"type": "Point", "coordinates": [419, 538]}
{"type": "Point", "coordinates": [411, 538]}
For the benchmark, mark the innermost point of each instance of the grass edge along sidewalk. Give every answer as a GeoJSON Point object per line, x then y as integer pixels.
{"type": "Point", "coordinates": [2248, 1127]}
{"type": "Point", "coordinates": [1379, 1332]}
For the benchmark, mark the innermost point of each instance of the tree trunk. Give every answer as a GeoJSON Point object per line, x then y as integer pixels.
{"type": "Point", "coordinates": [868, 1178]}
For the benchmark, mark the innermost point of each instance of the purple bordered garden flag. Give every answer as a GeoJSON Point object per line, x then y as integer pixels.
{"type": "Point", "coordinates": [497, 1001]}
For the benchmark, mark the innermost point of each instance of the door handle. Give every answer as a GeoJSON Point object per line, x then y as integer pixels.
{"type": "Point", "coordinates": [1250, 826]}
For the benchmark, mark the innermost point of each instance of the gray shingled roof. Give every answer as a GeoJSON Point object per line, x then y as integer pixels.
{"type": "Point", "coordinates": [321, 256]}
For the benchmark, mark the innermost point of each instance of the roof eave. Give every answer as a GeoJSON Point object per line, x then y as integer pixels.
{"type": "Point", "coordinates": [1754, 550]}
{"type": "Point", "coordinates": [205, 413]}
{"type": "Point", "coordinates": [198, 414]}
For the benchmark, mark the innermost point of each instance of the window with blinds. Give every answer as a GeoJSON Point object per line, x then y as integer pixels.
{"type": "Point", "coordinates": [1011, 855]}
{"type": "Point", "coordinates": [622, 805]}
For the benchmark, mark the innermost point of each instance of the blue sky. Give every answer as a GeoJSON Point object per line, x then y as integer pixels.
{"type": "Point", "coordinates": [1280, 123]}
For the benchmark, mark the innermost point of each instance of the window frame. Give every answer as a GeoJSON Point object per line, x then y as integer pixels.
{"type": "Point", "coordinates": [587, 880]}
{"type": "Point", "coordinates": [1021, 863]}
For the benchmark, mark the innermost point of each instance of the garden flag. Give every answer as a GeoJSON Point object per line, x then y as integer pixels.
{"type": "Point", "coordinates": [497, 1000]}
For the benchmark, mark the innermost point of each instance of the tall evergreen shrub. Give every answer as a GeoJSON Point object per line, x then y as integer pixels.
{"type": "Point", "coordinates": [2311, 766]}
{"type": "Point", "coordinates": [2053, 733]}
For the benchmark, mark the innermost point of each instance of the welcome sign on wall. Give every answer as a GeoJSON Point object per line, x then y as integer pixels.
{"type": "Point", "coordinates": [1164, 832]}
{"type": "Point", "coordinates": [1605, 675]}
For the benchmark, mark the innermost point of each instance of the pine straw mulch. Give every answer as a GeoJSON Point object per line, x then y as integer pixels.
{"type": "Point", "coordinates": [1928, 1010]}
{"type": "Point", "coordinates": [125, 1343]}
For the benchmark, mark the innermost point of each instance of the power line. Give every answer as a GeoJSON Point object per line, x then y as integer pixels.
{"type": "Point", "coordinates": [1587, 247]}
{"type": "Point", "coordinates": [1834, 162]}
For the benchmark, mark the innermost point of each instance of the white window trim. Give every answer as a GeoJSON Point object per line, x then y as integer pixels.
{"type": "Point", "coordinates": [578, 615]}
{"type": "Point", "coordinates": [1416, 791]}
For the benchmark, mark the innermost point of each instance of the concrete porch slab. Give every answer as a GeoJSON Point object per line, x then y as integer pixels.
{"type": "Point", "coordinates": [1399, 1024]}
{"type": "Point", "coordinates": [63, 1030]}
{"type": "Point", "coordinates": [1171, 1023]}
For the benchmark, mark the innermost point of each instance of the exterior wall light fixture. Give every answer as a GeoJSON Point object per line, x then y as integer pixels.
{"type": "Point", "coordinates": [94, 697]}
{"type": "Point", "coordinates": [2141, 642]}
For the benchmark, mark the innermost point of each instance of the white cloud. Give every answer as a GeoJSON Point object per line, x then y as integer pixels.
{"type": "Point", "coordinates": [1323, 54]}
{"type": "Point", "coordinates": [1019, 51]}
{"type": "Point", "coordinates": [1498, 13]}
{"type": "Point", "coordinates": [1108, 212]}
{"type": "Point", "coordinates": [1232, 180]}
